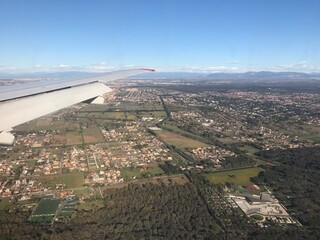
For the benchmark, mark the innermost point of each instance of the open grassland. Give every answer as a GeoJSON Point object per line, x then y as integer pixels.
{"type": "Point", "coordinates": [130, 106]}
{"type": "Point", "coordinates": [26, 127]}
{"type": "Point", "coordinates": [178, 140]}
{"type": "Point", "coordinates": [114, 115]}
{"type": "Point", "coordinates": [94, 107]}
{"type": "Point", "coordinates": [66, 138]}
{"type": "Point", "coordinates": [249, 149]}
{"type": "Point", "coordinates": [74, 138]}
{"type": "Point", "coordinates": [72, 125]}
{"type": "Point", "coordinates": [122, 111]}
{"type": "Point", "coordinates": [54, 125]}
{"type": "Point", "coordinates": [227, 140]}
{"type": "Point", "coordinates": [123, 106]}
{"type": "Point", "coordinates": [92, 135]}
{"type": "Point", "coordinates": [179, 179]}
{"type": "Point", "coordinates": [59, 139]}
{"type": "Point", "coordinates": [132, 173]}
{"type": "Point", "coordinates": [72, 180]}
{"type": "Point", "coordinates": [43, 122]}
{"type": "Point", "coordinates": [81, 191]}
{"type": "Point", "coordinates": [306, 132]}
{"type": "Point", "coordinates": [100, 107]}
{"type": "Point", "coordinates": [5, 203]}
{"type": "Point", "coordinates": [88, 205]}
{"type": "Point", "coordinates": [170, 126]}
{"type": "Point", "coordinates": [238, 176]}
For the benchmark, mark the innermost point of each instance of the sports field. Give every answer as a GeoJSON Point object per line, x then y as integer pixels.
{"type": "Point", "coordinates": [45, 210]}
{"type": "Point", "coordinates": [238, 176]}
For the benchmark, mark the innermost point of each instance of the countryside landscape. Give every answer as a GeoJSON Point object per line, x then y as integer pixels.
{"type": "Point", "coordinates": [168, 159]}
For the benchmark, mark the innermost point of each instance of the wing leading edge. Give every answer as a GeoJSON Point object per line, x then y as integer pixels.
{"type": "Point", "coordinates": [26, 104]}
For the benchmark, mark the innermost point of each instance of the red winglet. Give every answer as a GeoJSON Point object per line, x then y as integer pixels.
{"type": "Point", "coordinates": [147, 69]}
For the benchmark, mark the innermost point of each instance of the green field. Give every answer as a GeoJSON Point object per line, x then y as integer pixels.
{"type": "Point", "coordinates": [131, 173]}
{"type": "Point", "coordinates": [178, 140]}
{"type": "Point", "coordinates": [130, 106]}
{"type": "Point", "coordinates": [5, 203]}
{"type": "Point", "coordinates": [74, 138]}
{"type": "Point", "coordinates": [47, 206]}
{"type": "Point", "coordinates": [123, 111]}
{"type": "Point", "coordinates": [88, 205]}
{"type": "Point", "coordinates": [249, 149]}
{"type": "Point", "coordinates": [92, 134]}
{"type": "Point", "coordinates": [81, 191]}
{"type": "Point", "coordinates": [228, 140]}
{"type": "Point", "coordinates": [59, 139]}
{"type": "Point", "coordinates": [72, 180]}
{"type": "Point", "coordinates": [170, 126]}
{"type": "Point", "coordinates": [238, 176]}
{"type": "Point", "coordinates": [66, 138]}
{"type": "Point", "coordinates": [43, 122]}
{"type": "Point", "coordinates": [26, 127]}
{"type": "Point", "coordinates": [114, 115]}
{"type": "Point", "coordinates": [94, 107]}
{"type": "Point", "coordinates": [306, 132]}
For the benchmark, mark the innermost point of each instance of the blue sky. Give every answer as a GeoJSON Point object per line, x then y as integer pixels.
{"type": "Point", "coordinates": [170, 35]}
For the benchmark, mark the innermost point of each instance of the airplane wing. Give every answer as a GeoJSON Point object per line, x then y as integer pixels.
{"type": "Point", "coordinates": [22, 103]}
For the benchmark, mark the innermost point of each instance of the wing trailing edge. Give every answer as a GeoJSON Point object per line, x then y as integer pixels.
{"type": "Point", "coordinates": [22, 105]}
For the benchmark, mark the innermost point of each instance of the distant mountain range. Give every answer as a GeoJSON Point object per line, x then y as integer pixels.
{"type": "Point", "coordinates": [263, 75]}
{"type": "Point", "coordinates": [247, 76]}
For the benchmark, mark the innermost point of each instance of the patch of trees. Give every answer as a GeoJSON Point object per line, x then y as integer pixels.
{"type": "Point", "coordinates": [295, 181]}
{"type": "Point", "coordinates": [14, 225]}
{"type": "Point", "coordinates": [238, 161]}
{"type": "Point", "coordinates": [237, 226]}
{"type": "Point", "coordinates": [169, 168]}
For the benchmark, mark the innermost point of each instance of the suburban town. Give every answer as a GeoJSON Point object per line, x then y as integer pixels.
{"type": "Point", "coordinates": [159, 134]}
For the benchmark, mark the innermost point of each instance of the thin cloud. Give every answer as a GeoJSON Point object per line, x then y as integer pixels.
{"type": "Point", "coordinates": [231, 67]}
{"type": "Point", "coordinates": [99, 67]}
{"type": "Point", "coordinates": [234, 62]}
{"type": "Point", "coordinates": [207, 69]}
{"type": "Point", "coordinates": [299, 66]}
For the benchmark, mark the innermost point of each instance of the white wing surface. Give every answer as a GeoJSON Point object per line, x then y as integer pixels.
{"type": "Point", "coordinates": [24, 103]}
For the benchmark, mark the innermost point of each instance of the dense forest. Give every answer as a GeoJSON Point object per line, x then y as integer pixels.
{"type": "Point", "coordinates": [134, 212]}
